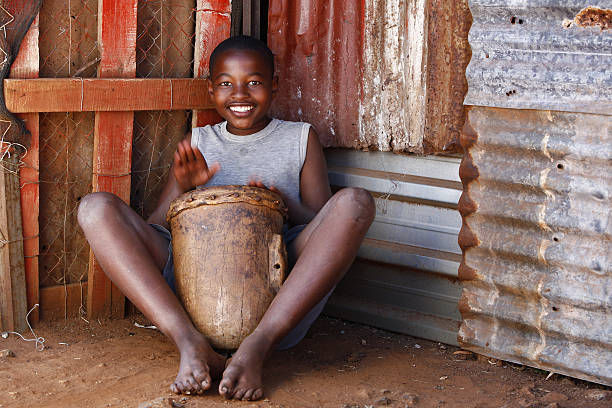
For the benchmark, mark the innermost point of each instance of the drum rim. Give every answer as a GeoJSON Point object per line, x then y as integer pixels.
{"type": "Point", "coordinates": [214, 195]}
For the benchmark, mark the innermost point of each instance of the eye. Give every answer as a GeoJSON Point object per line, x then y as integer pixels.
{"type": "Point", "coordinates": [254, 83]}
{"type": "Point", "coordinates": [225, 83]}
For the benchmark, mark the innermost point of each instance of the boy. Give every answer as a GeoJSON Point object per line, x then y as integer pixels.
{"type": "Point", "coordinates": [250, 148]}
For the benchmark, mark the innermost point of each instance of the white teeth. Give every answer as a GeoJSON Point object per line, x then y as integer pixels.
{"type": "Point", "coordinates": [240, 108]}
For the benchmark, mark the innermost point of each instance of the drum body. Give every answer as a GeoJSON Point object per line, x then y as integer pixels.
{"type": "Point", "coordinates": [229, 258]}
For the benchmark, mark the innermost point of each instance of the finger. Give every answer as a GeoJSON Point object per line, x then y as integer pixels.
{"type": "Point", "coordinates": [213, 169]}
{"type": "Point", "coordinates": [177, 160]}
{"type": "Point", "coordinates": [272, 188]}
{"type": "Point", "coordinates": [181, 151]}
{"type": "Point", "coordinates": [189, 151]}
{"type": "Point", "coordinates": [199, 157]}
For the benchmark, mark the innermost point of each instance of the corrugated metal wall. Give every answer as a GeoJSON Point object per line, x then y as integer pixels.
{"type": "Point", "coordinates": [537, 174]}
{"type": "Point", "coordinates": [373, 74]}
{"type": "Point", "coordinates": [405, 277]}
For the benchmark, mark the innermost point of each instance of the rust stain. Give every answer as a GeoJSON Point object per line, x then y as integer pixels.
{"type": "Point", "coordinates": [594, 17]}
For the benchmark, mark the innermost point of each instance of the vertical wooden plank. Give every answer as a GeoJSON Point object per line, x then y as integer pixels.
{"type": "Point", "coordinates": [247, 17]}
{"type": "Point", "coordinates": [13, 303]}
{"type": "Point", "coordinates": [112, 137]}
{"type": "Point", "coordinates": [213, 23]}
{"type": "Point", "coordinates": [26, 65]}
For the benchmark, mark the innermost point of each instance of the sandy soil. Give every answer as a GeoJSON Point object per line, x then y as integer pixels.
{"type": "Point", "coordinates": [339, 364]}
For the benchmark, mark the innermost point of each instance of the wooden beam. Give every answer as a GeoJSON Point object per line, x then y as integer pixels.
{"type": "Point", "coordinates": [13, 303]}
{"type": "Point", "coordinates": [213, 24]}
{"type": "Point", "coordinates": [105, 95]}
{"type": "Point", "coordinates": [112, 137]}
{"type": "Point", "coordinates": [26, 65]}
{"type": "Point", "coordinates": [61, 302]}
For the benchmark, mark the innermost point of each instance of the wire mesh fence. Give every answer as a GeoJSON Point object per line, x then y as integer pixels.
{"type": "Point", "coordinates": [68, 48]}
{"type": "Point", "coordinates": [164, 49]}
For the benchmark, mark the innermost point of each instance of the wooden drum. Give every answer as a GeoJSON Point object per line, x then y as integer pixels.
{"type": "Point", "coordinates": [229, 258]}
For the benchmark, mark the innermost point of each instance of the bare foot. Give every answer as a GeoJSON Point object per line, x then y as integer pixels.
{"type": "Point", "coordinates": [242, 377]}
{"type": "Point", "coordinates": [199, 364]}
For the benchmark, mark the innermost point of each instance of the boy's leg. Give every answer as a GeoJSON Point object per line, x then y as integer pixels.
{"type": "Point", "coordinates": [325, 250]}
{"type": "Point", "coordinates": [133, 254]}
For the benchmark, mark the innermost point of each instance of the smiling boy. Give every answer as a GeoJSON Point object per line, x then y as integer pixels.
{"type": "Point", "coordinates": [323, 233]}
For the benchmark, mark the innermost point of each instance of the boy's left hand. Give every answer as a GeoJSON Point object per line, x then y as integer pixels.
{"type": "Point", "coordinates": [255, 182]}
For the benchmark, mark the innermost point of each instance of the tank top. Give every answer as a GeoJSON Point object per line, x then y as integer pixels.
{"type": "Point", "coordinates": [275, 154]}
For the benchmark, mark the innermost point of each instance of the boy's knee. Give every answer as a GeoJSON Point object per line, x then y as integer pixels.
{"type": "Point", "coordinates": [95, 207]}
{"type": "Point", "coordinates": [358, 202]}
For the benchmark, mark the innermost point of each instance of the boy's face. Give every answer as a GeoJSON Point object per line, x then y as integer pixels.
{"type": "Point", "coordinates": [241, 87]}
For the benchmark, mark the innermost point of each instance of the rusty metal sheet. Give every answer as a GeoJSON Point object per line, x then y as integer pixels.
{"type": "Point", "coordinates": [362, 74]}
{"type": "Point", "coordinates": [537, 239]}
{"type": "Point", "coordinates": [541, 55]}
{"type": "Point", "coordinates": [405, 277]}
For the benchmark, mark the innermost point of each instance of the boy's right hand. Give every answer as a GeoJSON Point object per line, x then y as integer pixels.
{"type": "Point", "coordinates": [190, 167]}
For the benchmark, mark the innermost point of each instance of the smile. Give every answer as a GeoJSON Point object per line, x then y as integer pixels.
{"type": "Point", "coordinates": [241, 108]}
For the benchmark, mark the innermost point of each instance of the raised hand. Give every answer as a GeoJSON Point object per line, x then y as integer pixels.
{"type": "Point", "coordinates": [190, 167]}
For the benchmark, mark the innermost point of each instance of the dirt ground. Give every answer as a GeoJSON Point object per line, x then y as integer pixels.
{"type": "Point", "coordinates": [339, 364]}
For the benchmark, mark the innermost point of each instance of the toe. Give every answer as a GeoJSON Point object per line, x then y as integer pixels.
{"type": "Point", "coordinates": [192, 385]}
{"type": "Point", "coordinates": [248, 395]}
{"type": "Point", "coordinates": [226, 386]}
{"type": "Point", "coordinates": [174, 388]}
{"type": "Point", "coordinates": [239, 394]}
{"type": "Point", "coordinates": [202, 378]}
{"type": "Point", "coordinates": [257, 394]}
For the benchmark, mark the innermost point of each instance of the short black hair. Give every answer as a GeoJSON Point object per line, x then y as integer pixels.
{"type": "Point", "coordinates": [242, 42]}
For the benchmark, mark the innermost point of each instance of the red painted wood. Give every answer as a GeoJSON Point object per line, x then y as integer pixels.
{"type": "Point", "coordinates": [112, 137]}
{"type": "Point", "coordinates": [105, 95]}
{"type": "Point", "coordinates": [213, 22]}
{"type": "Point", "coordinates": [26, 65]}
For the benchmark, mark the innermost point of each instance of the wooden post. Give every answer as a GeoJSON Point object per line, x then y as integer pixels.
{"type": "Point", "coordinates": [112, 154]}
{"type": "Point", "coordinates": [213, 24]}
{"type": "Point", "coordinates": [13, 303]}
{"type": "Point", "coordinates": [26, 65]}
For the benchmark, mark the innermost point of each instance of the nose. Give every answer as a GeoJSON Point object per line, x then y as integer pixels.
{"type": "Point", "coordinates": [239, 90]}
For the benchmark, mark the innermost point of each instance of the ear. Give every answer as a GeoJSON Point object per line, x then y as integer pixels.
{"type": "Point", "coordinates": [274, 84]}
{"type": "Point", "coordinates": [210, 88]}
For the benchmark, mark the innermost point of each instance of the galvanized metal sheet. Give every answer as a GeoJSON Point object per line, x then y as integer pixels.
{"type": "Point", "coordinates": [538, 55]}
{"type": "Point", "coordinates": [405, 277]}
{"type": "Point", "coordinates": [537, 240]}
{"type": "Point", "coordinates": [361, 72]}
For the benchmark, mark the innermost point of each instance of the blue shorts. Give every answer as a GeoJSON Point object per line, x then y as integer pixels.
{"type": "Point", "coordinates": [289, 235]}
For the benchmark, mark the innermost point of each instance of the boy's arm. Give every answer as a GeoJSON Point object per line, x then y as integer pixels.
{"type": "Point", "coordinates": [188, 171]}
{"type": "Point", "coordinates": [314, 184]}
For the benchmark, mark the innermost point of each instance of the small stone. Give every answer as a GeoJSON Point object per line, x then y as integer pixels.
{"type": "Point", "coordinates": [526, 392]}
{"type": "Point", "coordinates": [161, 402]}
{"type": "Point", "coordinates": [464, 355]}
{"type": "Point", "coordinates": [341, 331]}
{"type": "Point", "coordinates": [410, 399]}
{"type": "Point", "coordinates": [63, 382]}
{"type": "Point", "coordinates": [101, 365]}
{"type": "Point", "coordinates": [363, 393]}
{"type": "Point", "coordinates": [383, 401]}
{"type": "Point", "coordinates": [363, 342]}
{"type": "Point", "coordinates": [6, 353]}
{"type": "Point", "coordinates": [385, 391]}
{"type": "Point", "coordinates": [555, 397]}
{"type": "Point", "coordinates": [442, 346]}
{"type": "Point", "coordinates": [444, 377]}
{"type": "Point", "coordinates": [439, 387]}
{"type": "Point", "coordinates": [417, 346]}
{"type": "Point", "coordinates": [4, 335]}
{"type": "Point", "coordinates": [598, 395]}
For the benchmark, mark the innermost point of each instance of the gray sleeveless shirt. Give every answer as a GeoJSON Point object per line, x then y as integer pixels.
{"type": "Point", "coordinates": [274, 155]}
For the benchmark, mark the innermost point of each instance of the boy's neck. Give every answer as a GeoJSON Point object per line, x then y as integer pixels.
{"type": "Point", "coordinates": [247, 132]}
